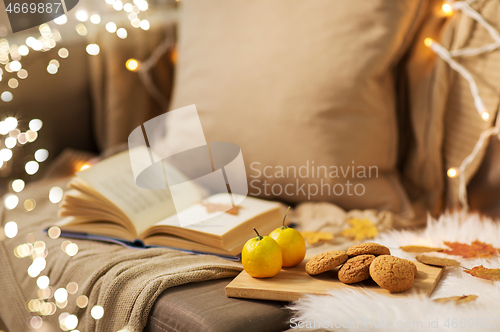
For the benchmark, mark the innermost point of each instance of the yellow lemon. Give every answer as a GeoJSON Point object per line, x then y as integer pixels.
{"type": "Point", "coordinates": [261, 257]}
{"type": "Point", "coordinates": [293, 246]}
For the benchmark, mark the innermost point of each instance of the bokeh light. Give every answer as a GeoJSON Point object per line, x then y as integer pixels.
{"type": "Point", "coordinates": [10, 229]}
{"type": "Point", "coordinates": [29, 204]}
{"type": "Point", "coordinates": [61, 20]}
{"type": "Point", "coordinates": [63, 53]}
{"type": "Point", "coordinates": [54, 232]}
{"type": "Point", "coordinates": [97, 312]}
{"type": "Point", "coordinates": [31, 167]}
{"type": "Point", "coordinates": [93, 49]}
{"type": "Point", "coordinates": [72, 249]}
{"type": "Point", "coordinates": [95, 19]}
{"type": "Point", "coordinates": [82, 15]}
{"type": "Point", "coordinates": [7, 96]}
{"type": "Point", "coordinates": [35, 124]}
{"type": "Point", "coordinates": [41, 155]}
{"type": "Point", "coordinates": [111, 27]}
{"type": "Point", "coordinates": [132, 64]}
{"type": "Point", "coordinates": [10, 201]}
{"type": "Point", "coordinates": [56, 194]}
{"type": "Point", "coordinates": [82, 301]}
{"type": "Point", "coordinates": [43, 282]}
{"type": "Point", "coordinates": [18, 185]}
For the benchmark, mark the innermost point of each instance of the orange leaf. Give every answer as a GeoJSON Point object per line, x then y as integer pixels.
{"type": "Point", "coordinates": [315, 237]}
{"type": "Point", "coordinates": [360, 230]}
{"type": "Point", "coordinates": [420, 249]}
{"type": "Point", "coordinates": [485, 273]}
{"type": "Point", "coordinates": [474, 250]}
{"type": "Point", "coordinates": [212, 207]}
{"type": "Point", "coordinates": [457, 299]}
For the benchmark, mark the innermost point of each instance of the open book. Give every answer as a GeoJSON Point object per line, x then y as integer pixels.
{"type": "Point", "coordinates": [105, 203]}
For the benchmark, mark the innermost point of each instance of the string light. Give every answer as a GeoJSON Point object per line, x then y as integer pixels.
{"type": "Point", "coordinates": [61, 295]}
{"type": "Point", "coordinates": [118, 5]}
{"type": "Point", "coordinates": [128, 7]}
{"type": "Point", "coordinates": [56, 194]}
{"type": "Point", "coordinates": [121, 33]}
{"type": "Point", "coordinates": [132, 64]}
{"type": "Point", "coordinates": [447, 56]}
{"type": "Point", "coordinates": [72, 287]}
{"type": "Point", "coordinates": [81, 29]}
{"type": "Point", "coordinates": [52, 69]}
{"type": "Point", "coordinates": [7, 96]}
{"type": "Point", "coordinates": [15, 65]}
{"type": "Point", "coordinates": [43, 282]}
{"type": "Point", "coordinates": [82, 15]}
{"type": "Point", "coordinates": [93, 49]}
{"type": "Point", "coordinates": [18, 185]}
{"type": "Point", "coordinates": [72, 249]}
{"type": "Point", "coordinates": [82, 301]}
{"type": "Point", "coordinates": [97, 312]}
{"type": "Point", "coordinates": [10, 229]}
{"type": "Point", "coordinates": [22, 74]}
{"type": "Point", "coordinates": [13, 83]}
{"type": "Point", "coordinates": [111, 27]}
{"type": "Point", "coordinates": [10, 142]}
{"type": "Point", "coordinates": [95, 19]}
{"type": "Point", "coordinates": [447, 9]}
{"type": "Point", "coordinates": [63, 53]}
{"type": "Point", "coordinates": [10, 201]}
{"type": "Point", "coordinates": [452, 172]}
{"type": "Point", "coordinates": [84, 167]}
{"type": "Point", "coordinates": [23, 50]}
{"type": "Point", "coordinates": [54, 232]}
{"type": "Point", "coordinates": [11, 123]}
{"type": "Point", "coordinates": [11, 61]}
{"type": "Point", "coordinates": [41, 155]}
{"type": "Point", "coordinates": [31, 167]}
{"type": "Point", "coordinates": [35, 124]}
{"type": "Point", "coordinates": [29, 205]}
{"type": "Point", "coordinates": [71, 322]}
{"type": "Point", "coordinates": [145, 25]}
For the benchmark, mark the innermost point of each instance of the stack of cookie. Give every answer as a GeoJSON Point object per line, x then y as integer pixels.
{"type": "Point", "coordinates": [366, 260]}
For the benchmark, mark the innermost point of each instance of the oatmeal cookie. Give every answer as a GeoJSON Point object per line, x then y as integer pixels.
{"type": "Point", "coordinates": [369, 248]}
{"type": "Point", "coordinates": [393, 273]}
{"type": "Point", "coordinates": [326, 261]}
{"type": "Point", "coordinates": [356, 269]}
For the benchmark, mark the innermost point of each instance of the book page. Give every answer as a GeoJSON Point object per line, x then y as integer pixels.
{"type": "Point", "coordinates": [113, 178]}
{"type": "Point", "coordinates": [220, 223]}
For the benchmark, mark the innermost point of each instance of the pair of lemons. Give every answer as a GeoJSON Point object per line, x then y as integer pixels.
{"type": "Point", "coordinates": [264, 256]}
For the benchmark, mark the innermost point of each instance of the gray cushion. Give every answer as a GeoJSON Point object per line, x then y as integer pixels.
{"type": "Point", "coordinates": [204, 307]}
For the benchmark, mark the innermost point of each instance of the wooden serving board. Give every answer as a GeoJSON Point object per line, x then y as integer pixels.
{"type": "Point", "coordinates": [293, 283]}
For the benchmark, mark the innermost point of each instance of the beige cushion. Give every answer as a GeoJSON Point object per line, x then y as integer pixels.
{"type": "Point", "coordinates": [298, 83]}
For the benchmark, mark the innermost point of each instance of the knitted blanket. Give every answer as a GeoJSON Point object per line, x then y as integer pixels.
{"type": "Point", "coordinates": [124, 282]}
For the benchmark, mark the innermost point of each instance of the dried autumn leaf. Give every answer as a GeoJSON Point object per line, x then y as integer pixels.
{"type": "Point", "coordinates": [437, 261]}
{"type": "Point", "coordinates": [315, 237]}
{"type": "Point", "coordinates": [474, 250]}
{"type": "Point", "coordinates": [457, 299]}
{"type": "Point", "coordinates": [360, 230]}
{"type": "Point", "coordinates": [485, 273]}
{"type": "Point", "coordinates": [213, 207]}
{"type": "Point", "coordinates": [420, 249]}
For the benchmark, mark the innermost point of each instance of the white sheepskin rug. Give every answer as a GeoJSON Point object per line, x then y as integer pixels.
{"type": "Point", "coordinates": [354, 311]}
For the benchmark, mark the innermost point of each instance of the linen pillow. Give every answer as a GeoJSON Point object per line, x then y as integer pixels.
{"type": "Point", "coordinates": [305, 88]}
